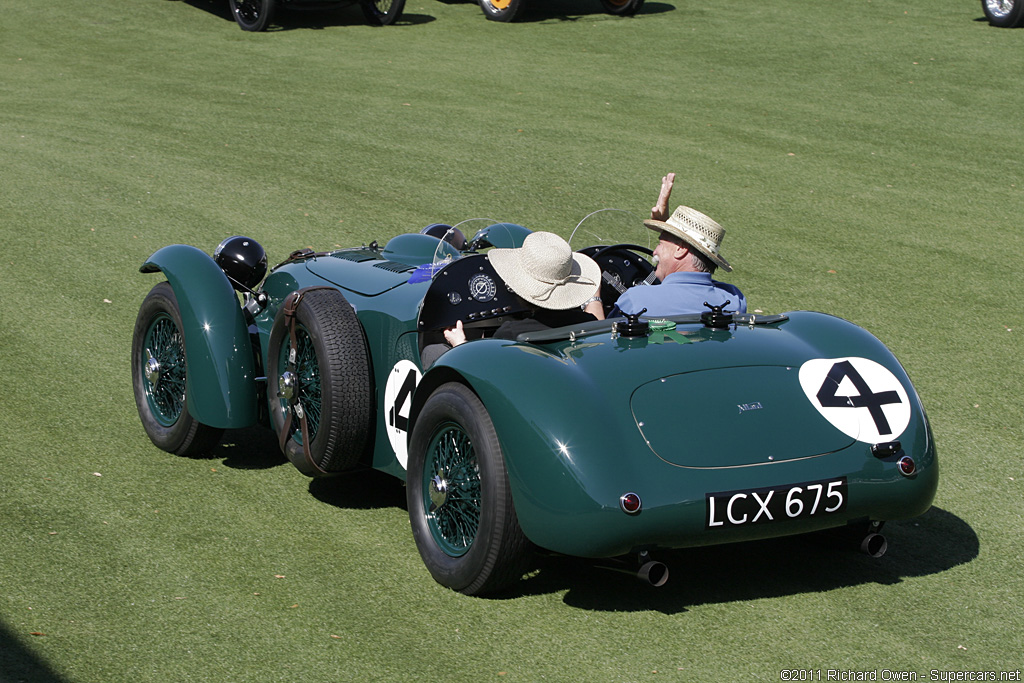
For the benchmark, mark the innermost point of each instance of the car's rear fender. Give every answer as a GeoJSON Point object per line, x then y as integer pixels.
{"type": "Point", "coordinates": [563, 437]}
{"type": "Point", "coordinates": [220, 388]}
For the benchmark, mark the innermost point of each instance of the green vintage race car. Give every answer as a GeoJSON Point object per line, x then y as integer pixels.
{"type": "Point", "coordinates": [609, 439]}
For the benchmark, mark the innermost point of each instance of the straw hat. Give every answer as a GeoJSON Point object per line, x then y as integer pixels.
{"type": "Point", "coordinates": [695, 229]}
{"type": "Point", "coordinates": [546, 272]}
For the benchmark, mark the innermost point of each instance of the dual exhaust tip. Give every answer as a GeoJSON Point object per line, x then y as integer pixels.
{"type": "Point", "coordinates": [654, 573]}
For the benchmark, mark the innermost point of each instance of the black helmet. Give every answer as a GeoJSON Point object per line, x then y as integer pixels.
{"type": "Point", "coordinates": [441, 231]}
{"type": "Point", "coordinates": [243, 260]}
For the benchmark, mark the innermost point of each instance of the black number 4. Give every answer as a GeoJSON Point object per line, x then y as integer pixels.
{"type": "Point", "coordinates": [395, 418]}
{"type": "Point", "coordinates": [867, 398]}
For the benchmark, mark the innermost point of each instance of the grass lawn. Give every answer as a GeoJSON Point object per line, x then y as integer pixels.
{"type": "Point", "coordinates": [862, 155]}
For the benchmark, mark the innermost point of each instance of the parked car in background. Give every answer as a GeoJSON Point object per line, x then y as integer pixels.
{"type": "Point", "coordinates": [509, 10]}
{"type": "Point", "coordinates": [255, 15]}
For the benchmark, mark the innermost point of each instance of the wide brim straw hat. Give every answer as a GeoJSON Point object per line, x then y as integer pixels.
{"type": "Point", "coordinates": [697, 230]}
{"type": "Point", "coordinates": [546, 272]}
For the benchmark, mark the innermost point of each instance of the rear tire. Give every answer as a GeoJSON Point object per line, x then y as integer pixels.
{"type": "Point", "coordinates": [459, 498]}
{"type": "Point", "coordinates": [159, 374]}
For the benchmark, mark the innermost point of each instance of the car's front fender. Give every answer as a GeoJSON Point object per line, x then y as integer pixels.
{"type": "Point", "coordinates": [220, 388]}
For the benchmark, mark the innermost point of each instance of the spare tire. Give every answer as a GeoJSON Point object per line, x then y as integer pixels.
{"type": "Point", "coordinates": [328, 384]}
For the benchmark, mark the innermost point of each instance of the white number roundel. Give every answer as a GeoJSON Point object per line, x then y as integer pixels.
{"type": "Point", "coordinates": [860, 397]}
{"type": "Point", "coordinates": [402, 381]}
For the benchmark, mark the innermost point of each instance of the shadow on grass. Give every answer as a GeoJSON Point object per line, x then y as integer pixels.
{"type": "Point", "coordinates": [933, 543]}
{"type": "Point", "coordinates": [360, 490]}
{"type": "Point", "coordinates": [253, 448]}
{"type": "Point", "coordinates": [568, 10]}
{"type": "Point", "coordinates": [983, 19]}
{"type": "Point", "coordinates": [930, 544]}
{"type": "Point", "coordinates": [19, 665]}
{"type": "Point", "coordinates": [314, 15]}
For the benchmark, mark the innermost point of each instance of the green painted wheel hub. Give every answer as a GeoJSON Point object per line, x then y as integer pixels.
{"type": "Point", "coordinates": [163, 370]}
{"type": "Point", "coordinates": [451, 490]}
{"type": "Point", "coordinates": [300, 386]}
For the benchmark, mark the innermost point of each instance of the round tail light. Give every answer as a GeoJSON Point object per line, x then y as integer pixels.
{"type": "Point", "coordinates": [630, 503]}
{"type": "Point", "coordinates": [907, 466]}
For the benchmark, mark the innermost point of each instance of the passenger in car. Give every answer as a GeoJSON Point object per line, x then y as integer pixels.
{"type": "Point", "coordinates": [560, 284]}
{"type": "Point", "coordinates": [686, 257]}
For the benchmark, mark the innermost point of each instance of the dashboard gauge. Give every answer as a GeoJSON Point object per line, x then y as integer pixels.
{"type": "Point", "coordinates": [482, 287]}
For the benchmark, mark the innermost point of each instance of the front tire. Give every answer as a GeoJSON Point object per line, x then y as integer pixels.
{"type": "Point", "coordinates": [502, 10]}
{"type": "Point", "coordinates": [329, 383]}
{"type": "Point", "coordinates": [459, 499]}
{"type": "Point", "coordinates": [622, 8]}
{"type": "Point", "coordinates": [159, 376]}
{"type": "Point", "coordinates": [252, 15]}
{"type": "Point", "coordinates": [1004, 13]}
{"type": "Point", "coordinates": [382, 12]}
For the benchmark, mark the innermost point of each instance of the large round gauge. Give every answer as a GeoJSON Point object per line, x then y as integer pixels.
{"type": "Point", "coordinates": [482, 287]}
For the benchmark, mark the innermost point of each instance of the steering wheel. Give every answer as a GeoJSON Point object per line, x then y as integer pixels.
{"type": "Point", "coordinates": [622, 267]}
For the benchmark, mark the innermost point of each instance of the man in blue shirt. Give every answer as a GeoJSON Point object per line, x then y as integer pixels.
{"type": "Point", "coordinates": [686, 257]}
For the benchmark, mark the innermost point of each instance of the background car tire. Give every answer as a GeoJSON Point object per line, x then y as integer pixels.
{"type": "Point", "coordinates": [382, 12]}
{"type": "Point", "coordinates": [459, 499]}
{"type": "Point", "coordinates": [334, 383]}
{"type": "Point", "coordinates": [158, 377]}
{"type": "Point", "coordinates": [252, 15]}
{"type": "Point", "coordinates": [622, 8]}
{"type": "Point", "coordinates": [502, 10]}
{"type": "Point", "coordinates": [1004, 13]}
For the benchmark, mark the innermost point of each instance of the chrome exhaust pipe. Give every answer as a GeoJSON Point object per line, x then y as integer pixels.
{"type": "Point", "coordinates": [874, 545]}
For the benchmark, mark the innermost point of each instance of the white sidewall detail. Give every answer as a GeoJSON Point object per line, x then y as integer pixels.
{"type": "Point", "coordinates": [858, 422]}
{"type": "Point", "coordinates": [402, 380]}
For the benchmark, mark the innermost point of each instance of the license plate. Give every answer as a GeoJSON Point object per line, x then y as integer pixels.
{"type": "Point", "coordinates": [775, 503]}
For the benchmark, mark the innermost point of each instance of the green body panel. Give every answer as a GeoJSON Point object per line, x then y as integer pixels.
{"type": "Point", "coordinates": [573, 446]}
{"type": "Point", "coordinates": [221, 384]}
{"type": "Point", "coordinates": [708, 405]}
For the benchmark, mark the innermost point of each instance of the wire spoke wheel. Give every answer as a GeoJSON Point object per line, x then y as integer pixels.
{"type": "Point", "coordinates": [459, 496]}
{"type": "Point", "coordinates": [451, 488]}
{"type": "Point", "coordinates": [164, 370]}
{"type": "Point", "coordinates": [308, 390]}
{"type": "Point", "coordinates": [160, 377]}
